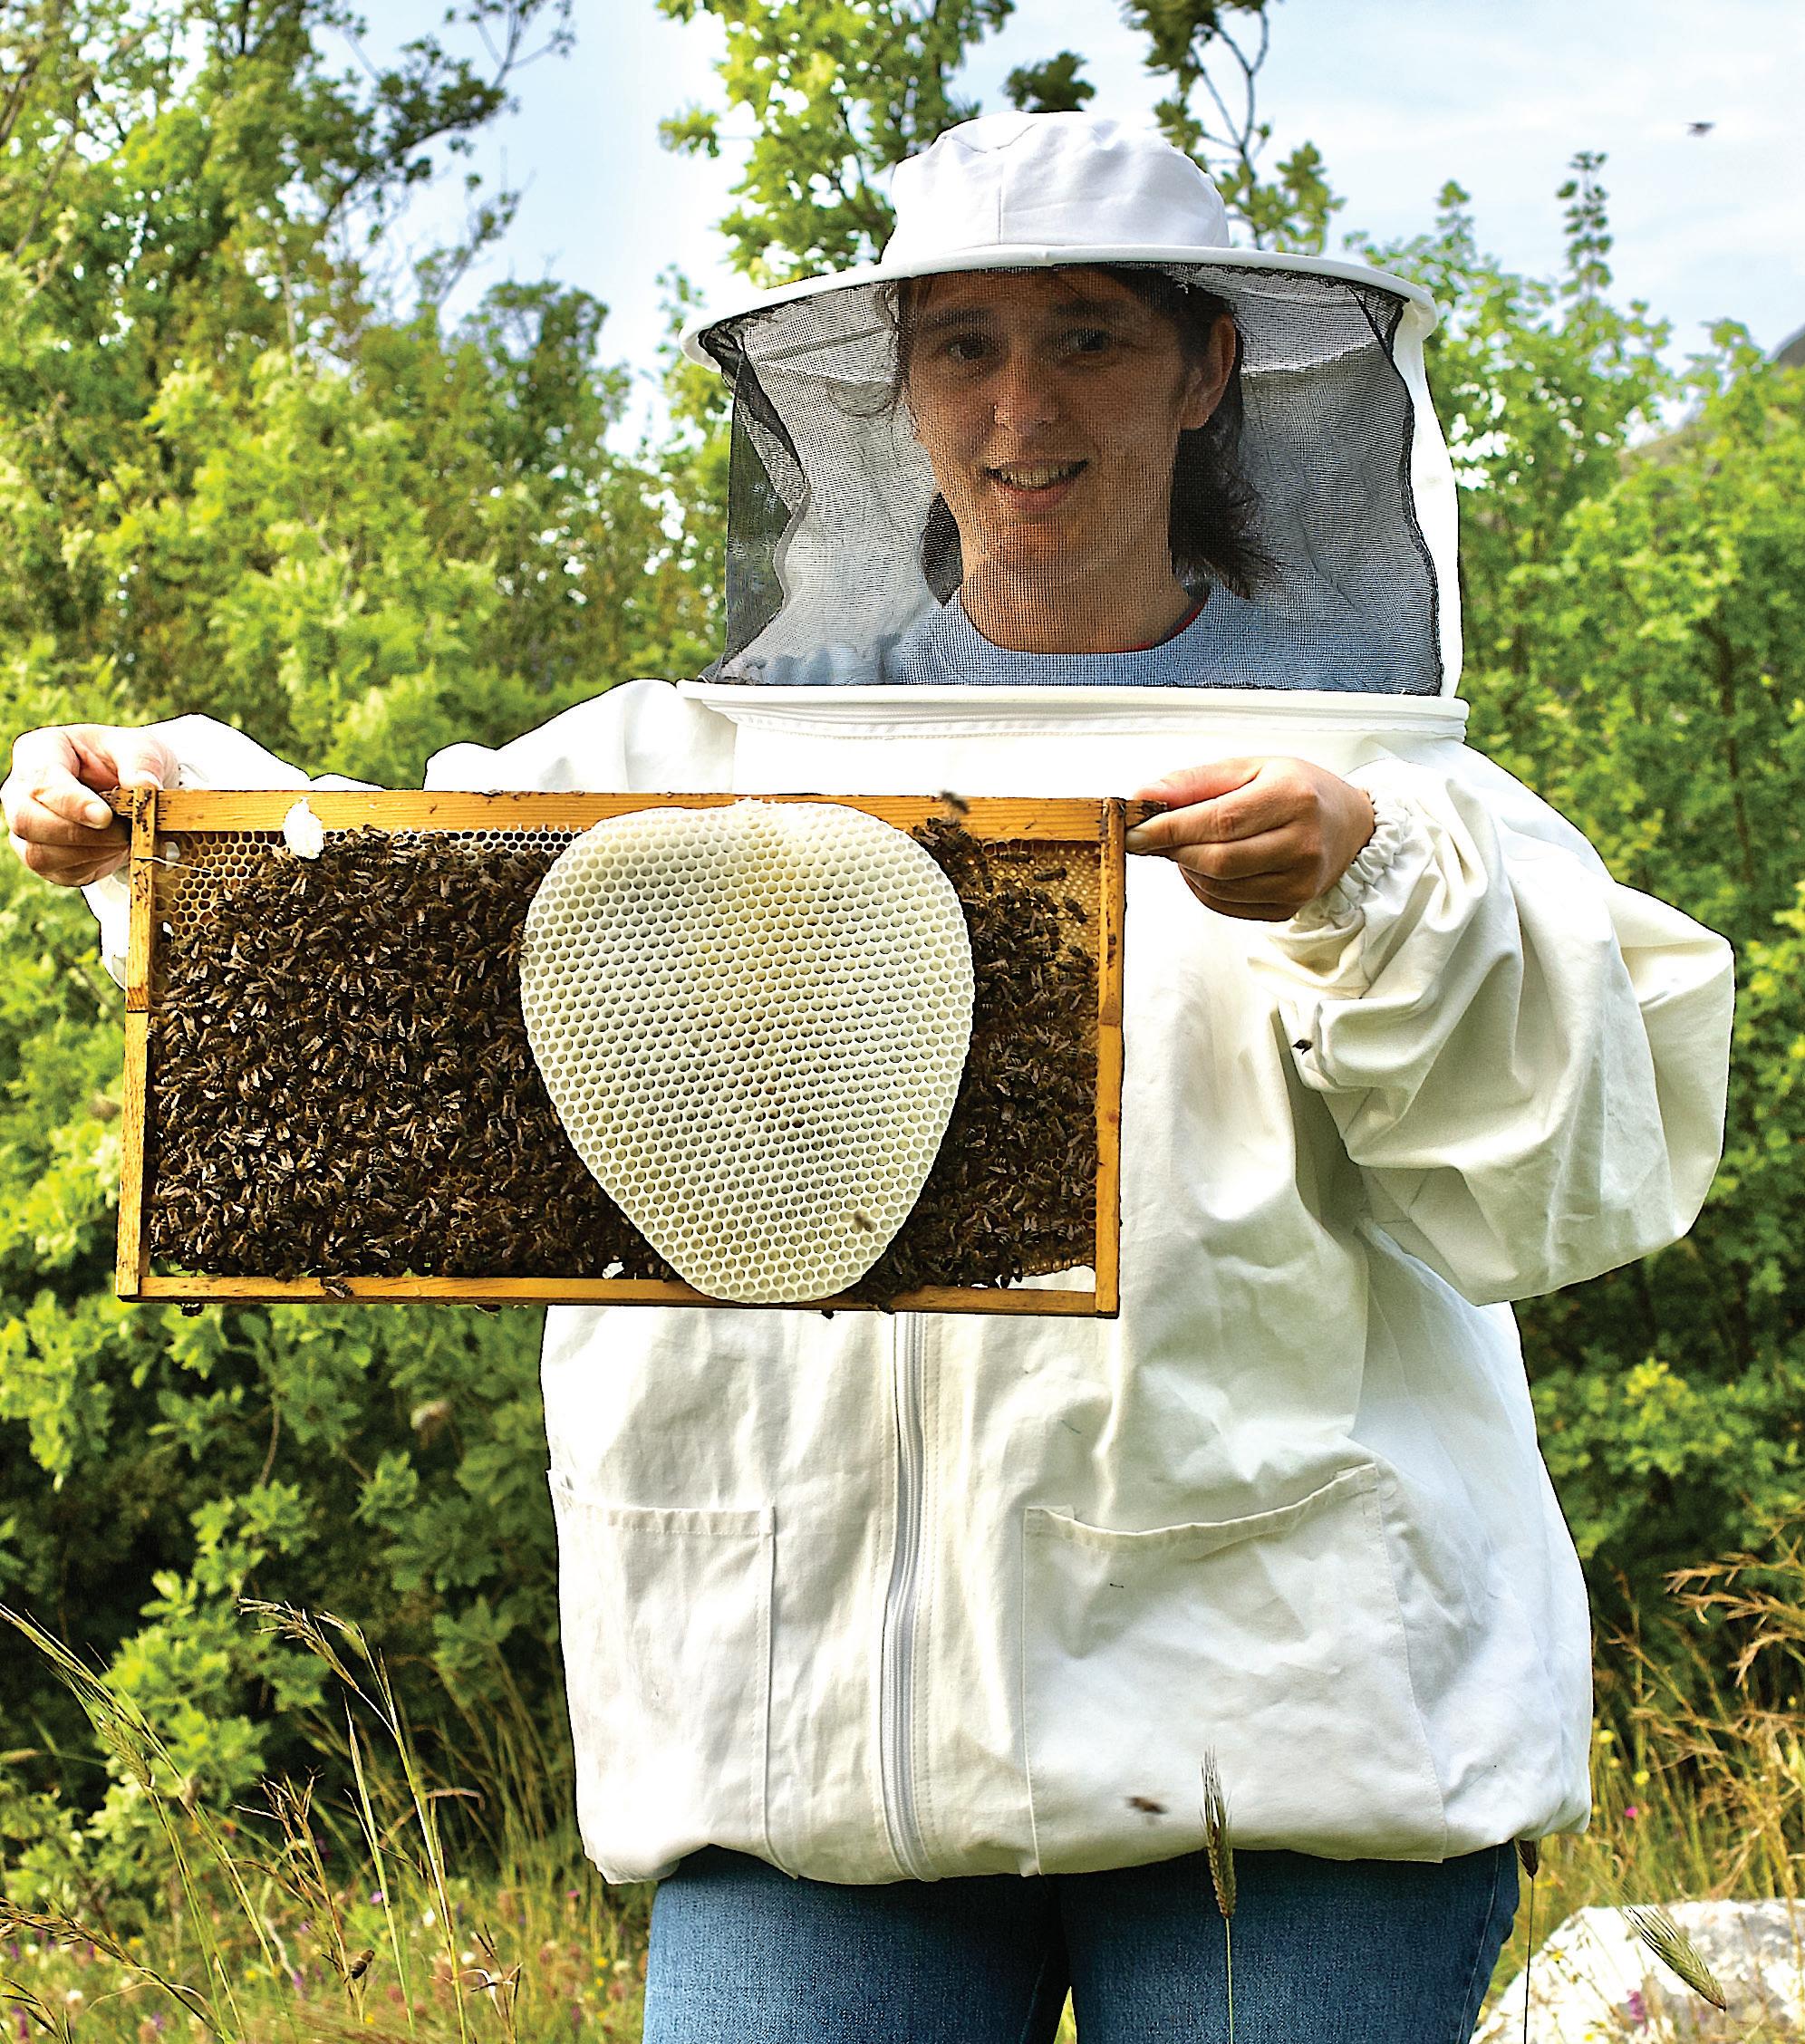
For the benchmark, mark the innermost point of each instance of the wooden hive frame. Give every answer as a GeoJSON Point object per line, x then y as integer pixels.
{"type": "Point", "coordinates": [157, 815]}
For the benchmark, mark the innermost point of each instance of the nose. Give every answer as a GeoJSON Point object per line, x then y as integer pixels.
{"type": "Point", "coordinates": [1021, 394]}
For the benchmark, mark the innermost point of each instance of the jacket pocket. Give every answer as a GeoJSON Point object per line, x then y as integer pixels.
{"type": "Point", "coordinates": [666, 1623]}
{"type": "Point", "coordinates": [1273, 1640]}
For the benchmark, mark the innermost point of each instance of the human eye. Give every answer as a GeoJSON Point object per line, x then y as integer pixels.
{"type": "Point", "coordinates": [964, 346]}
{"type": "Point", "coordinates": [1086, 344]}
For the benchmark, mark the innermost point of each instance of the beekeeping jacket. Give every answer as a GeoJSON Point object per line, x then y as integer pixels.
{"type": "Point", "coordinates": [881, 1596]}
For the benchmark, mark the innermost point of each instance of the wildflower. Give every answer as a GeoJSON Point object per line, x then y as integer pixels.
{"type": "Point", "coordinates": [377, 1897]}
{"type": "Point", "coordinates": [428, 1917]}
{"type": "Point", "coordinates": [1632, 1811]}
{"type": "Point", "coordinates": [1636, 2010]}
{"type": "Point", "coordinates": [1640, 1778]}
{"type": "Point", "coordinates": [74, 1998]}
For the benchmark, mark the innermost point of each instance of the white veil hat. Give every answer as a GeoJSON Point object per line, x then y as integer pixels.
{"type": "Point", "coordinates": [1323, 337]}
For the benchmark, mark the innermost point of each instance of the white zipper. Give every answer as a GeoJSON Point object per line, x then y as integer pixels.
{"type": "Point", "coordinates": [897, 1674]}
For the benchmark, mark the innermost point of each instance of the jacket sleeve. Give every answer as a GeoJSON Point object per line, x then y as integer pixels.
{"type": "Point", "coordinates": [1526, 1061]}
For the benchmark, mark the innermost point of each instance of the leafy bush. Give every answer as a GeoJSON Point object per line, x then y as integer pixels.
{"type": "Point", "coordinates": [236, 477]}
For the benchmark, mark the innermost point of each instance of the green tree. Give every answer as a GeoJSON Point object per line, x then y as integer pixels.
{"type": "Point", "coordinates": [243, 472]}
{"type": "Point", "coordinates": [1189, 42]}
{"type": "Point", "coordinates": [835, 96]}
{"type": "Point", "coordinates": [1636, 653]}
{"type": "Point", "coordinates": [839, 95]}
{"type": "Point", "coordinates": [1659, 699]}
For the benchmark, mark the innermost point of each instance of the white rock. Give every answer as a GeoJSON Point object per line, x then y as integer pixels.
{"type": "Point", "coordinates": [1594, 1981]}
{"type": "Point", "coordinates": [303, 831]}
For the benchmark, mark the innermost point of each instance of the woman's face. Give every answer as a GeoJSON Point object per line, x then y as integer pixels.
{"type": "Point", "coordinates": [1049, 404]}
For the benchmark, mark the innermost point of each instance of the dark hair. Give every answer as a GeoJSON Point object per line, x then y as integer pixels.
{"type": "Point", "coordinates": [1212, 528]}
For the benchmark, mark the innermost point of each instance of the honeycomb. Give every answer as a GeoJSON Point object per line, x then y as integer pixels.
{"type": "Point", "coordinates": [752, 1021]}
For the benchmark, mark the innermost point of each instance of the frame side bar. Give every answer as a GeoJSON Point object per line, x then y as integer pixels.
{"type": "Point", "coordinates": [1111, 904]}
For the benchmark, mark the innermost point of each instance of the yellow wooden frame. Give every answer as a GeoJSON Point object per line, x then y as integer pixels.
{"type": "Point", "coordinates": [154, 813]}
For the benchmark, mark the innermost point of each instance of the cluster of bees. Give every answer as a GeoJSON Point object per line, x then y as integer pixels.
{"type": "Point", "coordinates": [1013, 1190]}
{"type": "Point", "coordinates": [340, 1083]}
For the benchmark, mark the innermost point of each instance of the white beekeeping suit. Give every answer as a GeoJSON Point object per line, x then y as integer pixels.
{"type": "Point", "coordinates": [918, 1595]}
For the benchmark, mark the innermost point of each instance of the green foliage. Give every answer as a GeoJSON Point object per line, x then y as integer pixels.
{"type": "Point", "coordinates": [1635, 637]}
{"type": "Point", "coordinates": [1540, 385]}
{"type": "Point", "coordinates": [839, 95]}
{"type": "Point", "coordinates": [1188, 41]}
{"type": "Point", "coordinates": [237, 477]}
{"type": "Point", "coordinates": [1052, 87]}
{"type": "Point", "coordinates": [835, 94]}
{"type": "Point", "coordinates": [1661, 701]}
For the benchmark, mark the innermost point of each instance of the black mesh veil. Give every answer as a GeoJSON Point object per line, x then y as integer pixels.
{"type": "Point", "coordinates": [833, 558]}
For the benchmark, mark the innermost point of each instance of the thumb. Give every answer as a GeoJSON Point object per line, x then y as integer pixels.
{"type": "Point", "coordinates": [1191, 784]}
{"type": "Point", "coordinates": [1200, 784]}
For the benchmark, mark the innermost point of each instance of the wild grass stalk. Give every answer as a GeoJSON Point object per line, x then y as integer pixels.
{"type": "Point", "coordinates": [1219, 1844]}
{"type": "Point", "coordinates": [1529, 1852]}
{"type": "Point", "coordinates": [525, 1944]}
{"type": "Point", "coordinates": [1698, 1780]}
{"type": "Point", "coordinates": [125, 1731]}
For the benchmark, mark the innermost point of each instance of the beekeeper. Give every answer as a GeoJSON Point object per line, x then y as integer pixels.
{"type": "Point", "coordinates": [1066, 496]}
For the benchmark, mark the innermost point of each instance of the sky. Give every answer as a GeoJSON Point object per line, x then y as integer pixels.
{"type": "Point", "coordinates": [1399, 95]}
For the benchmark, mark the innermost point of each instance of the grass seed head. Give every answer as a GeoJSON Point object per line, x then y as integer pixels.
{"type": "Point", "coordinates": [1676, 1952]}
{"type": "Point", "coordinates": [1218, 1840]}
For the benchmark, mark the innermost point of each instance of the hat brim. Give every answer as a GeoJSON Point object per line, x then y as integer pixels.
{"type": "Point", "coordinates": [1026, 257]}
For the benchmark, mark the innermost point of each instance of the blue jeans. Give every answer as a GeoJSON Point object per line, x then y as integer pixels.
{"type": "Point", "coordinates": [1366, 1952]}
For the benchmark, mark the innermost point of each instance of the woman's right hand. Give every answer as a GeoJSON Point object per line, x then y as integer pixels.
{"type": "Point", "coordinates": [59, 827]}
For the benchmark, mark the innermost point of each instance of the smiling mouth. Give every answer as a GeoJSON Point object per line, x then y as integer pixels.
{"type": "Point", "coordinates": [1034, 478]}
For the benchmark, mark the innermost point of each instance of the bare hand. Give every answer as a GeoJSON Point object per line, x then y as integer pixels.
{"type": "Point", "coordinates": [58, 826]}
{"type": "Point", "coordinates": [1257, 838]}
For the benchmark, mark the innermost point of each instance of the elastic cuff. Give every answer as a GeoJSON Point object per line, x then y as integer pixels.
{"type": "Point", "coordinates": [1345, 902]}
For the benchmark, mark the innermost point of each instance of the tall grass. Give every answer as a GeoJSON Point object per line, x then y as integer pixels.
{"type": "Point", "coordinates": [447, 1903]}
{"type": "Point", "coordinates": [443, 1898]}
{"type": "Point", "coordinates": [1698, 1780]}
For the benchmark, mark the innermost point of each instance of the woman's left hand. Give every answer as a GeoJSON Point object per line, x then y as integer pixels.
{"type": "Point", "coordinates": [1257, 838]}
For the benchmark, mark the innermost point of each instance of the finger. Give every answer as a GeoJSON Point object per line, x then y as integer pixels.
{"type": "Point", "coordinates": [44, 778]}
{"type": "Point", "coordinates": [1197, 783]}
{"type": "Point", "coordinates": [64, 868]}
{"type": "Point", "coordinates": [33, 819]}
{"type": "Point", "coordinates": [1267, 802]}
{"type": "Point", "coordinates": [49, 786]}
{"type": "Point", "coordinates": [1277, 854]}
{"type": "Point", "coordinates": [1258, 887]}
{"type": "Point", "coordinates": [1200, 784]}
{"type": "Point", "coordinates": [1261, 809]}
{"type": "Point", "coordinates": [1241, 909]}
